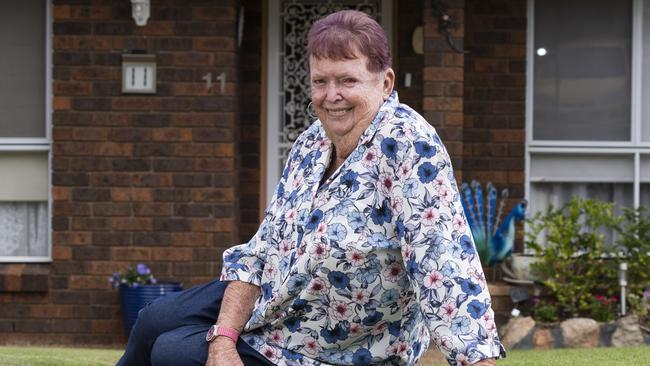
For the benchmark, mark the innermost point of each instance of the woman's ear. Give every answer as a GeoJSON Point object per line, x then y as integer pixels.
{"type": "Point", "coordinates": [389, 82]}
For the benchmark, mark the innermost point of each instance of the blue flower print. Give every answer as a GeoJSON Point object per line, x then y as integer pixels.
{"type": "Point", "coordinates": [280, 191]}
{"type": "Point", "coordinates": [427, 172]}
{"type": "Point", "coordinates": [424, 149]}
{"type": "Point", "coordinates": [339, 333]}
{"type": "Point", "coordinates": [297, 282]}
{"type": "Point", "coordinates": [467, 245]}
{"type": "Point", "coordinates": [314, 220]}
{"type": "Point", "coordinates": [410, 188]}
{"type": "Point", "coordinates": [301, 306]}
{"type": "Point", "coordinates": [476, 309]}
{"type": "Point", "coordinates": [306, 161]}
{"type": "Point", "coordinates": [470, 287]}
{"type": "Point", "coordinates": [303, 216]}
{"type": "Point", "coordinates": [382, 214]}
{"type": "Point", "coordinates": [399, 228]}
{"type": "Point", "coordinates": [290, 355]}
{"type": "Point", "coordinates": [267, 290]}
{"type": "Point", "coordinates": [389, 297]}
{"type": "Point", "coordinates": [361, 357]}
{"type": "Point", "coordinates": [373, 318]}
{"type": "Point", "coordinates": [349, 180]}
{"type": "Point", "coordinates": [460, 325]}
{"type": "Point", "coordinates": [292, 323]}
{"type": "Point", "coordinates": [337, 232]}
{"type": "Point", "coordinates": [450, 269]}
{"type": "Point", "coordinates": [389, 147]}
{"type": "Point", "coordinates": [379, 240]}
{"type": "Point", "coordinates": [394, 328]}
{"type": "Point", "coordinates": [338, 279]}
{"type": "Point", "coordinates": [356, 220]}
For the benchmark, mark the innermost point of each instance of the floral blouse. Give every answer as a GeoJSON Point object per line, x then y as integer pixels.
{"type": "Point", "coordinates": [365, 266]}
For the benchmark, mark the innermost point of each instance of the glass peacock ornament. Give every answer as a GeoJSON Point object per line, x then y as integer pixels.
{"type": "Point", "coordinates": [494, 239]}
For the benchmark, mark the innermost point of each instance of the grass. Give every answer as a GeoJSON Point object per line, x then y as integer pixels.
{"type": "Point", "coordinates": [628, 356]}
{"type": "Point", "coordinates": [53, 356]}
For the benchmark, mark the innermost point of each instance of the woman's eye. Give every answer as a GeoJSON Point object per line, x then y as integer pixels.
{"type": "Point", "coordinates": [318, 82]}
{"type": "Point", "coordinates": [349, 81]}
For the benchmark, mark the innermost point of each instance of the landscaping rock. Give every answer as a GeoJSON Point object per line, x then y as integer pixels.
{"type": "Point", "coordinates": [543, 339]}
{"type": "Point", "coordinates": [580, 333]}
{"type": "Point", "coordinates": [516, 329]}
{"type": "Point", "coordinates": [628, 332]}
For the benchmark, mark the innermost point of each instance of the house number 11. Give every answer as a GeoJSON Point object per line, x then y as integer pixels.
{"type": "Point", "coordinates": [221, 78]}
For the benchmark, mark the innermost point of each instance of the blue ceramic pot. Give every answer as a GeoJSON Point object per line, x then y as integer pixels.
{"type": "Point", "coordinates": [135, 298]}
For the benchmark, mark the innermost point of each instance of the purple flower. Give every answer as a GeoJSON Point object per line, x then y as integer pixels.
{"type": "Point", "coordinates": [142, 269]}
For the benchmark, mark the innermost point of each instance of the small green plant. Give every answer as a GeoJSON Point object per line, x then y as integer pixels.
{"type": "Point", "coordinates": [603, 308]}
{"type": "Point", "coordinates": [633, 247]}
{"type": "Point", "coordinates": [571, 244]}
{"type": "Point", "coordinates": [543, 311]}
{"type": "Point", "coordinates": [638, 304]}
{"type": "Point", "coordinates": [134, 277]}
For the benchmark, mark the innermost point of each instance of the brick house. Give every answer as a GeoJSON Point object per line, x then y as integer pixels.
{"type": "Point", "coordinates": [93, 179]}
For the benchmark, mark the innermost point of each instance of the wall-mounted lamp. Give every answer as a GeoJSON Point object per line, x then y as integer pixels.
{"type": "Point", "coordinates": [140, 11]}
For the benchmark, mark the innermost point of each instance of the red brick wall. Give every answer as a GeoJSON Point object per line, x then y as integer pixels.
{"type": "Point", "coordinates": [443, 82]}
{"type": "Point", "coordinates": [136, 178]}
{"type": "Point", "coordinates": [495, 89]}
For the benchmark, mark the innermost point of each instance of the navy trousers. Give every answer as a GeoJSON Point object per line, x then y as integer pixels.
{"type": "Point", "coordinates": [171, 330]}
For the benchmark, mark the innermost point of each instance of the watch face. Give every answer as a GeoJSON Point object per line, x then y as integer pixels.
{"type": "Point", "coordinates": [212, 333]}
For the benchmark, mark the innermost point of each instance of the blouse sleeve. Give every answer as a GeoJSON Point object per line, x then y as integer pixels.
{"type": "Point", "coordinates": [245, 262]}
{"type": "Point", "coordinates": [441, 260]}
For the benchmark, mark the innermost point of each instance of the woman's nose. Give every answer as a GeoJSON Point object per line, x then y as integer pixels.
{"type": "Point", "coordinates": [332, 93]}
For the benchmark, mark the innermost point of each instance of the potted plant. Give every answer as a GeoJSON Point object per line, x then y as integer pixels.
{"type": "Point", "coordinates": [138, 287]}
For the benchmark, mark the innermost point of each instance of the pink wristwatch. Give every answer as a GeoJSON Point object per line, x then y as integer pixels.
{"type": "Point", "coordinates": [219, 330]}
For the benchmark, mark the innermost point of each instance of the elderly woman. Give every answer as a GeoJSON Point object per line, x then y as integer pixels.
{"type": "Point", "coordinates": [364, 253]}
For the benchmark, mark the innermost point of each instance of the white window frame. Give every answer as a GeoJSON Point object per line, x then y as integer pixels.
{"type": "Point", "coordinates": [39, 144]}
{"type": "Point", "coordinates": [633, 148]}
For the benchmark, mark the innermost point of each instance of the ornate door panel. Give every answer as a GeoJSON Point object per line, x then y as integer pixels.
{"type": "Point", "coordinates": [288, 77]}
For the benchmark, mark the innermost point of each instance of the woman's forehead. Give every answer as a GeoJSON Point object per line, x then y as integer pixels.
{"type": "Point", "coordinates": [321, 66]}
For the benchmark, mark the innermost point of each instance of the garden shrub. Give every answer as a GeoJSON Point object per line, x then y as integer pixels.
{"type": "Point", "coordinates": [574, 264]}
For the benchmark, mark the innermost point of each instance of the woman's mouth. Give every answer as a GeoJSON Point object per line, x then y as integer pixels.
{"type": "Point", "coordinates": [338, 112]}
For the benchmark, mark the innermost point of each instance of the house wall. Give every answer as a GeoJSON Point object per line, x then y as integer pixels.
{"type": "Point", "coordinates": [173, 179]}
{"type": "Point", "coordinates": [494, 94]}
{"type": "Point", "coordinates": [136, 178]}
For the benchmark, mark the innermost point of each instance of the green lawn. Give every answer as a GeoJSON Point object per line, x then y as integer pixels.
{"type": "Point", "coordinates": [52, 356]}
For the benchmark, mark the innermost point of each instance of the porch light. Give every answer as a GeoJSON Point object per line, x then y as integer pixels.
{"type": "Point", "coordinates": [541, 51]}
{"type": "Point", "coordinates": [622, 281]}
{"type": "Point", "coordinates": [140, 11]}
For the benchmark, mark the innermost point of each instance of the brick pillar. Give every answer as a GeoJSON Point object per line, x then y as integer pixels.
{"type": "Point", "coordinates": [495, 92]}
{"type": "Point", "coordinates": [443, 82]}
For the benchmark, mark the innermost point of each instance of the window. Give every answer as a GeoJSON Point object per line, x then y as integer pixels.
{"type": "Point", "coordinates": [24, 131]}
{"type": "Point", "coordinates": [588, 115]}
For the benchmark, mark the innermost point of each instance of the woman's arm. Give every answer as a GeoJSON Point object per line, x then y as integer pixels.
{"type": "Point", "coordinates": [236, 308]}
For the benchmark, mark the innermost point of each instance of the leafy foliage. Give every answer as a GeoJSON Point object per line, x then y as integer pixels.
{"type": "Point", "coordinates": [573, 261]}
{"type": "Point", "coordinates": [634, 247]}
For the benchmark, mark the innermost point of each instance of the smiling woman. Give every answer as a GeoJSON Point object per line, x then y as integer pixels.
{"type": "Point", "coordinates": [364, 254]}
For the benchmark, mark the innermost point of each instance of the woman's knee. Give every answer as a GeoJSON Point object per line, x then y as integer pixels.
{"type": "Point", "coordinates": [174, 348]}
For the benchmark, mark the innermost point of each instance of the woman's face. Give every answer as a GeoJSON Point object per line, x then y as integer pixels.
{"type": "Point", "coordinates": [346, 96]}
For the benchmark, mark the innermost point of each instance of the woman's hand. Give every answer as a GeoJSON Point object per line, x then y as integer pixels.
{"type": "Point", "coordinates": [223, 352]}
{"type": "Point", "coordinates": [486, 362]}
